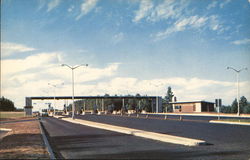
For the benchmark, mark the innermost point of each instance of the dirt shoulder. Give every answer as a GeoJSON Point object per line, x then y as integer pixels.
{"type": "Point", "coordinates": [23, 142]}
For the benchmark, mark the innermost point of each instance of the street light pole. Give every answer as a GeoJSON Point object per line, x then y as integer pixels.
{"type": "Point", "coordinates": [54, 85]}
{"type": "Point", "coordinates": [73, 90]}
{"type": "Point", "coordinates": [238, 92]}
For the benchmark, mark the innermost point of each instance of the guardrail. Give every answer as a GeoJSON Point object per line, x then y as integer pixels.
{"type": "Point", "coordinates": [202, 114]}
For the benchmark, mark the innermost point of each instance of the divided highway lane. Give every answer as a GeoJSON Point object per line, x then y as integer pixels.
{"type": "Point", "coordinates": [222, 136]}
{"type": "Point", "coordinates": [78, 141]}
{"type": "Point", "coordinates": [73, 141]}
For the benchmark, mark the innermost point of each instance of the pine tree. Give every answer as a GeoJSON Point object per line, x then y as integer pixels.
{"type": "Point", "coordinates": [169, 96]}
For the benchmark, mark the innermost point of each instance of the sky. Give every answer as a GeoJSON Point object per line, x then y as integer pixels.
{"type": "Point", "coordinates": [130, 46]}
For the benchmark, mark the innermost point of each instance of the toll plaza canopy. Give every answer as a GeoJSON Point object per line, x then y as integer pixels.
{"type": "Point", "coordinates": [156, 101]}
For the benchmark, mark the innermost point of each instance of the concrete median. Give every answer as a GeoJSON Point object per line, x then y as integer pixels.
{"type": "Point", "coordinates": [140, 133]}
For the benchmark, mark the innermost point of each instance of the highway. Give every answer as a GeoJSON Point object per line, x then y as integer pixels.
{"type": "Point", "coordinates": [78, 141]}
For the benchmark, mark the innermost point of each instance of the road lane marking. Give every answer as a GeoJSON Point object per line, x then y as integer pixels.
{"type": "Point", "coordinates": [139, 133]}
{"type": "Point", "coordinates": [228, 122]}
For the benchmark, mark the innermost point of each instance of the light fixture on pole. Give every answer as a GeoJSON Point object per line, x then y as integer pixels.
{"type": "Point", "coordinates": [238, 92]}
{"type": "Point", "coordinates": [55, 86]}
{"type": "Point", "coordinates": [72, 69]}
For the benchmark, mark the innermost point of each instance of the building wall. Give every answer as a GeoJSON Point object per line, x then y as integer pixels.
{"type": "Point", "coordinates": [198, 107]}
{"type": "Point", "coordinates": [193, 107]}
{"type": "Point", "coordinates": [185, 107]}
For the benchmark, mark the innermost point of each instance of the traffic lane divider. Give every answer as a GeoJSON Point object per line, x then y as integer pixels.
{"type": "Point", "coordinates": [140, 133]}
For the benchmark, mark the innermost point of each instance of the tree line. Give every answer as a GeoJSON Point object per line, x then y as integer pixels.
{"type": "Point", "coordinates": [233, 108]}
{"type": "Point", "coordinates": [6, 104]}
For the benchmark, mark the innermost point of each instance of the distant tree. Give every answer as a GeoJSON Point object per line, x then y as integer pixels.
{"type": "Point", "coordinates": [246, 109]}
{"type": "Point", "coordinates": [138, 95]}
{"type": "Point", "coordinates": [244, 105]}
{"type": "Point", "coordinates": [168, 98]}
{"type": "Point", "coordinates": [146, 105]}
{"type": "Point", "coordinates": [19, 110]}
{"type": "Point", "coordinates": [69, 107]}
{"type": "Point", "coordinates": [106, 95]}
{"type": "Point", "coordinates": [6, 105]}
{"type": "Point", "coordinates": [225, 109]}
{"type": "Point", "coordinates": [234, 106]}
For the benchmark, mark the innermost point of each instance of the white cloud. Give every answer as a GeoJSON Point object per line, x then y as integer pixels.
{"type": "Point", "coordinates": [168, 9]}
{"type": "Point", "coordinates": [193, 22]}
{"type": "Point", "coordinates": [241, 42]}
{"type": "Point", "coordinates": [41, 4]}
{"type": "Point", "coordinates": [92, 74]}
{"type": "Point", "coordinates": [86, 7]}
{"type": "Point", "coordinates": [37, 61]}
{"type": "Point", "coordinates": [144, 10]}
{"type": "Point", "coordinates": [212, 5]}
{"type": "Point", "coordinates": [180, 14]}
{"type": "Point", "coordinates": [8, 49]}
{"type": "Point", "coordinates": [71, 8]}
{"type": "Point", "coordinates": [30, 76]}
{"type": "Point", "coordinates": [53, 4]}
{"type": "Point", "coordinates": [249, 1]}
{"type": "Point", "coordinates": [225, 2]}
{"type": "Point", "coordinates": [117, 38]}
{"type": "Point", "coordinates": [185, 89]}
{"type": "Point", "coordinates": [215, 24]}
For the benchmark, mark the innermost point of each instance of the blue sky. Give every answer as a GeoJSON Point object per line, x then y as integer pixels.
{"type": "Point", "coordinates": [131, 46]}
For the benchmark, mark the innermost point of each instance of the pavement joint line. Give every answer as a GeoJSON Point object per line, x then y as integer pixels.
{"type": "Point", "coordinates": [140, 133]}
{"type": "Point", "coordinates": [228, 122]}
{"type": "Point", "coordinates": [46, 142]}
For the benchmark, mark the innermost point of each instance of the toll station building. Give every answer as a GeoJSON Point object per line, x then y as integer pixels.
{"type": "Point", "coordinates": [193, 107]}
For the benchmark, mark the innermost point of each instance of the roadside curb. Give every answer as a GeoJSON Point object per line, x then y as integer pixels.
{"type": "Point", "coordinates": [46, 142]}
{"type": "Point", "coordinates": [228, 122]}
{"type": "Point", "coordinates": [140, 133]}
{"type": "Point", "coordinates": [5, 129]}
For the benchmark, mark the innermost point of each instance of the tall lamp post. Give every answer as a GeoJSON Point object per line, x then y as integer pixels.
{"type": "Point", "coordinates": [72, 69]}
{"type": "Point", "coordinates": [55, 86]}
{"type": "Point", "coordinates": [238, 92]}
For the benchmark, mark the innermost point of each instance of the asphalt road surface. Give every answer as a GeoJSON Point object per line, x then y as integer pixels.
{"type": "Point", "coordinates": [77, 141]}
